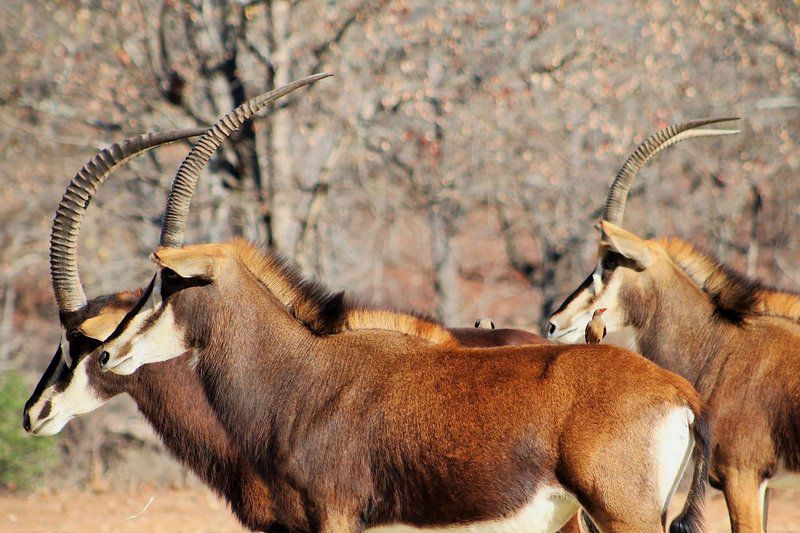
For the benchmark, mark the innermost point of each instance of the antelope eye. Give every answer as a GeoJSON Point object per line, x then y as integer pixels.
{"type": "Point", "coordinates": [610, 263]}
{"type": "Point", "coordinates": [74, 334]}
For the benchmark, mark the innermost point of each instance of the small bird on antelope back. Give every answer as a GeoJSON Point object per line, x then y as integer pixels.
{"type": "Point", "coordinates": [596, 328]}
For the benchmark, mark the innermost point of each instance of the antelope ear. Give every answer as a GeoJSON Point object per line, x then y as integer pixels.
{"type": "Point", "coordinates": [102, 326]}
{"type": "Point", "coordinates": [187, 264]}
{"type": "Point", "coordinates": [612, 237]}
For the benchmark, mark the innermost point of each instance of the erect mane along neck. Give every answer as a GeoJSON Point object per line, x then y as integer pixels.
{"type": "Point", "coordinates": [735, 296]}
{"type": "Point", "coordinates": [408, 324]}
{"type": "Point", "coordinates": [325, 312]}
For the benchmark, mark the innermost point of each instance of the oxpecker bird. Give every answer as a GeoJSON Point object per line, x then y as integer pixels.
{"type": "Point", "coordinates": [596, 328]}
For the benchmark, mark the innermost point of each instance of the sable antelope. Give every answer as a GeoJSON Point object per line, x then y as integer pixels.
{"type": "Point", "coordinates": [729, 336]}
{"type": "Point", "coordinates": [361, 428]}
{"type": "Point", "coordinates": [165, 393]}
{"type": "Point", "coordinates": [70, 386]}
{"type": "Point", "coordinates": [596, 328]}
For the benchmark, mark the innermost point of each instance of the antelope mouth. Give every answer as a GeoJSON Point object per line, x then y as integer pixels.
{"type": "Point", "coordinates": [564, 333]}
{"type": "Point", "coordinates": [41, 425]}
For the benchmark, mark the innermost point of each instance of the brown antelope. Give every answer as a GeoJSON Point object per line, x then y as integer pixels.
{"type": "Point", "coordinates": [729, 336]}
{"type": "Point", "coordinates": [358, 428]}
{"type": "Point", "coordinates": [70, 387]}
{"type": "Point", "coordinates": [165, 393]}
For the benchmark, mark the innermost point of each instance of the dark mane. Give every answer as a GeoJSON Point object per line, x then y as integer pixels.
{"type": "Point", "coordinates": [735, 296]}
{"type": "Point", "coordinates": [326, 312]}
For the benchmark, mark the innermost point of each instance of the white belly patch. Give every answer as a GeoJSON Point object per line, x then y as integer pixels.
{"type": "Point", "coordinates": [549, 510]}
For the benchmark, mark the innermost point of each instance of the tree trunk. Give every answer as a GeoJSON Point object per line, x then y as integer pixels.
{"type": "Point", "coordinates": [282, 216]}
{"type": "Point", "coordinates": [445, 268]}
{"type": "Point", "coordinates": [6, 320]}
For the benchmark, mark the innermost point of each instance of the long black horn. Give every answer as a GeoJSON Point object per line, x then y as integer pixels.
{"type": "Point", "coordinates": [618, 192]}
{"type": "Point", "coordinates": [180, 197]}
{"type": "Point", "coordinates": [69, 215]}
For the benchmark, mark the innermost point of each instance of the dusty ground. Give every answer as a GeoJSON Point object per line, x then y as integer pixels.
{"type": "Point", "coordinates": [196, 510]}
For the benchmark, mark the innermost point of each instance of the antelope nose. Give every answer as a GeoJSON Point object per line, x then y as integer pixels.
{"type": "Point", "coordinates": [551, 328]}
{"type": "Point", "coordinates": [104, 357]}
{"type": "Point", "coordinates": [26, 422]}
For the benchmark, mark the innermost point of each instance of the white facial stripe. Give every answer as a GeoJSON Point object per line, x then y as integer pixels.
{"type": "Point", "coordinates": [120, 347]}
{"type": "Point", "coordinates": [138, 345]}
{"type": "Point", "coordinates": [155, 295]}
{"type": "Point", "coordinates": [576, 332]}
{"type": "Point", "coordinates": [65, 355]}
{"type": "Point", "coordinates": [79, 396]}
{"type": "Point", "coordinates": [34, 412]}
{"type": "Point", "coordinates": [597, 278]}
{"type": "Point", "coordinates": [160, 342]}
{"type": "Point", "coordinates": [76, 399]}
{"type": "Point", "coordinates": [571, 322]}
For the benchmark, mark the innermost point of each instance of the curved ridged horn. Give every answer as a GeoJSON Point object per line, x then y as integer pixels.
{"type": "Point", "coordinates": [180, 197]}
{"type": "Point", "coordinates": [69, 215]}
{"type": "Point", "coordinates": [618, 192]}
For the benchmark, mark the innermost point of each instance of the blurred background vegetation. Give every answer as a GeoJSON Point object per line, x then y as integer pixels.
{"type": "Point", "coordinates": [23, 460]}
{"type": "Point", "coordinates": [455, 164]}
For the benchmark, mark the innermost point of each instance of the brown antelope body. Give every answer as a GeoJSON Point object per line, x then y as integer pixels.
{"type": "Point", "coordinates": [734, 340]}
{"type": "Point", "coordinates": [171, 397]}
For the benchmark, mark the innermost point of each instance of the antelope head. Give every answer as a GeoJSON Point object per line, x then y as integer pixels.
{"type": "Point", "coordinates": [628, 269]}
{"type": "Point", "coordinates": [150, 331]}
{"type": "Point", "coordinates": [162, 325]}
{"type": "Point", "coordinates": [70, 387]}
